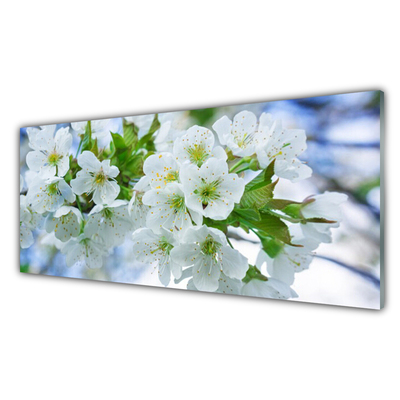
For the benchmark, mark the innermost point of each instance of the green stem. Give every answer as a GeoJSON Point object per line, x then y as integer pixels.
{"type": "Point", "coordinates": [245, 168]}
{"type": "Point", "coordinates": [238, 164]}
{"type": "Point", "coordinates": [79, 148]}
{"type": "Point", "coordinates": [78, 203]}
{"type": "Point", "coordinates": [229, 242]}
{"type": "Point", "coordinates": [285, 217]}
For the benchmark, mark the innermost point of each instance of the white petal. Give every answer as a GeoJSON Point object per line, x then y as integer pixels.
{"type": "Point", "coordinates": [233, 263]}
{"type": "Point", "coordinates": [185, 254]}
{"type": "Point", "coordinates": [25, 237]}
{"type": "Point", "coordinates": [63, 166]}
{"type": "Point", "coordinates": [83, 183]}
{"type": "Point", "coordinates": [223, 127]}
{"type": "Point", "coordinates": [88, 162]}
{"type": "Point", "coordinates": [66, 191]}
{"type": "Point", "coordinates": [206, 274]}
{"type": "Point", "coordinates": [63, 141]}
{"type": "Point", "coordinates": [35, 160]}
{"type": "Point", "coordinates": [106, 193]}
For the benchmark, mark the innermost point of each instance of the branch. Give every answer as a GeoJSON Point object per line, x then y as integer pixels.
{"type": "Point", "coordinates": [366, 275]}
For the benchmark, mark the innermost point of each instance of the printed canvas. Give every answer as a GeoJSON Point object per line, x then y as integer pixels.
{"type": "Point", "coordinates": [277, 200]}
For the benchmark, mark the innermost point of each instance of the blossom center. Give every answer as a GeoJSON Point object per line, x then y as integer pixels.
{"type": "Point", "coordinates": [210, 247]}
{"type": "Point", "coordinates": [177, 203]}
{"type": "Point", "coordinates": [244, 140]}
{"type": "Point", "coordinates": [164, 245]}
{"type": "Point", "coordinates": [107, 213]}
{"type": "Point", "coordinates": [100, 178]}
{"type": "Point", "coordinates": [52, 189]}
{"type": "Point", "coordinates": [171, 177]}
{"type": "Point", "coordinates": [208, 192]}
{"type": "Point", "coordinates": [53, 159]}
{"type": "Point", "coordinates": [197, 154]}
{"type": "Point", "coordinates": [138, 198]}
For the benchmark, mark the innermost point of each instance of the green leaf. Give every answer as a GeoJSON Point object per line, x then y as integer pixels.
{"type": "Point", "coordinates": [272, 246]}
{"type": "Point", "coordinates": [257, 196]}
{"type": "Point", "coordinates": [130, 134]}
{"type": "Point", "coordinates": [318, 221]}
{"type": "Point", "coordinates": [147, 140]}
{"type": "Point", "coordinates": [262, 179]}
{"type": "Point", "coordinates": [248, 213]}
{"type": "Point", "coordinates": [120, 151]}
{"type": "Point", "coordinates": [87, 137]}
{"type": "Point", "coordinates": [155, 125]}
{"type": "Point", "coordinates": [278, 204]}
{"type": "Point", "coordinates": [270, 225]}
{"type": "Point", "coordinates": [24, 268]}
{"type": "Point", "coordinates": [134, 166]}
{"type": "Point", "coordinates": [254, 273]}
{"type": "Point", "coordinates": [203, 116]}
{"type": "Point", "coordinates": [118, 141]}
{"type": "Point", "coordinates": [95, 149]}
{"type": "Point", "coordinates": [270, 171]}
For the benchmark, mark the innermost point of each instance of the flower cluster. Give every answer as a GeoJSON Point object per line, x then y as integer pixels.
{"type": "Point", "coordinates": [176, 194]}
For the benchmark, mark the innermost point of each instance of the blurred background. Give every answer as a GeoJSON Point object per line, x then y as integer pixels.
{"type": "Point", "coordinates": [343, 137]}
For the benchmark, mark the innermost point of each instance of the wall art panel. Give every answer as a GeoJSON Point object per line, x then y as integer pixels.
{"type": "Point", "coordinates": [277, 200]}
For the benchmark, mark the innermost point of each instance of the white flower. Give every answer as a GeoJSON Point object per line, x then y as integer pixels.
{"type": "Point", "coordinates": [161, 169]}
{"type": "Point", "coordinates": [45, 131]}
{"type": "Point", "coordinates": [110, 222]}
{"type": "Point", "coordinates": [154, 249]}
{"type": "Point", "coordinates": [290, 259]}
{"type": "Point", "coordinates": [99, 128]}
{"type": "Point", "coordinates": [51, 154]}
{"type": "Point", "coordinates": [197, 146]}
{"type": "Point", "coordinates": [96, 177]}
{"type": "Point", "coordinates": [283, 145]}
{"type": "Point", "coordinates": [327, 206]}
{"type": "Point", "coordinates": [226, 285]}
{"type": "Point", "coordinates": [240, 135]}
{"type": "Point", "coordinates": [167, 134]}
{"type": "Point", "coordinates": [136, 209]}
{"type": "Point", "coordinates": [65, 223]}
{"type": "Point", "coordinates": [28, 221]}
{"type": "Point", "coordinates": [207, 250]}
{"type": "Point", "coordinates": [87, 249]}
{"type": "Point", "coordinates": [272, 289]}
{"type": "Point", "coordinates": [50, 239]}
{"type": "Point", "coordinates": [25, 237]}
{"type": "Point", "coordinates": [211, 190]}
{"type": "Point", "coordinates": [143, 123]}
{"type": "Point", "coordinates": [21, 183]}
{"type": "Point", "coordinates": [169, 211]}
{"type": "Point", "coordinates": [49, 194]}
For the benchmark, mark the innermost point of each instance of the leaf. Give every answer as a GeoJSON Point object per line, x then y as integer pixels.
{"type": "Point", "coordinates": [278, 204]}
{"type": "Point", "coordinates": [262, 179]}
{"type": "Point", "coordinates": [269, 225]}
{"type": "Point", "coordinates": [270, 171]}
{"type": "Point", "coordinates": [147, 140]}
{"type": "Point", "coordinates": [155, 125]}
{"type": "Point", "coordinates": [87, 137]}
{"type": "Point", "coordinates": [318, 221]}
{"type": "Point", "coordinates": [130, 134]}
{"type": "Point", "coordinates": [95, 149]}
{"type": "Point", "coordinates": [254, 273]}
{"type": "Point", "coordinates": [248, 213]}
{"type": "Point", "coordinates": [272, 246]}
{"type": "Point", "coordinates": [24, 268]}
{"type": "Point", "coordinates": [203, 116]}
{"type": "Point", "coordinates": [120, 152]}
{"type": "Point", "coordinates": [134, 166]}
{"type": "Point", "coordinates": [258, 197]}
{"type": "Point", "coordinates": [118, 141]}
